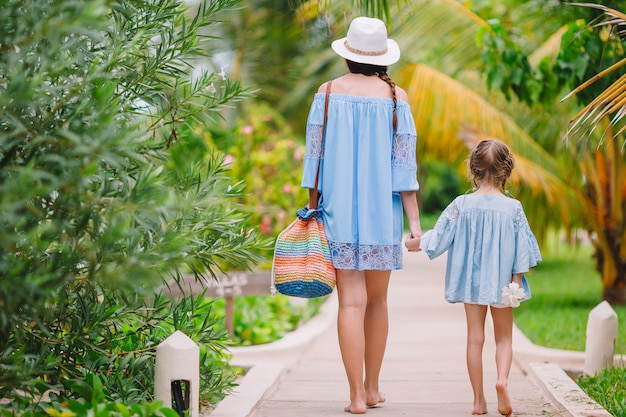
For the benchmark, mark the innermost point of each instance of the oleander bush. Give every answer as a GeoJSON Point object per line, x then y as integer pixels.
{"type": "Point", "coordinates": [265, 319]}
{"type": "Point", "coordinates": [98, 208]}
{"type": "Point", "coordinates": [264, 154]}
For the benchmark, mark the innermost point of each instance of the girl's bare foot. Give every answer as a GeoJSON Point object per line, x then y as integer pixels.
{"type": "Point", "coordinates": [504, 402]}
{"type": "Point", "coordinates": [480, 408]}
{"type": "Point", "coordinates": [373, 399]}
{"type": "Point", "coordinates": [356, 408]}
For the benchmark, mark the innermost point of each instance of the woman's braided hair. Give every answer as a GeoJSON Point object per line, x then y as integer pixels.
{"type": "Point", "coordinates": [491, 160]}
{"type": "Point", "coordinates": [380, 72]}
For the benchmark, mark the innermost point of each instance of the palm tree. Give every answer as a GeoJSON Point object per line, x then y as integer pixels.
{"type": "Point", "coordinates": [569, 187]}
{"type": "Point", "coordinates": [443, 68]}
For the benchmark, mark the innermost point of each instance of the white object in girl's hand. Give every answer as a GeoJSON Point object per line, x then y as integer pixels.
{"type": "Point", "coordinates": [512, 294]}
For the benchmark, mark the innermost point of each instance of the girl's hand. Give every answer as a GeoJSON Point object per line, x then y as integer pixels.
{"type": "Point", "coordinates": [412, 243]}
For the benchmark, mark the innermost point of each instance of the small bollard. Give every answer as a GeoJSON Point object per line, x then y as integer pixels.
{"type": "Point", "coordinates": [601, 335]}
{"type": "Point", "coordinates": [177, 374]}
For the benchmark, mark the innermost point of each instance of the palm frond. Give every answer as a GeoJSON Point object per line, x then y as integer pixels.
{"type": "Point", "coordinates": [611, 103]}
{"type": "Point", "coordinates": [442, 105]}
{"type": "Point", "coordinates": [449, 115]}
{"type": "Point", "coordinates": [549, 48]}
{"type": "Point", "coordinates": [442, 33]}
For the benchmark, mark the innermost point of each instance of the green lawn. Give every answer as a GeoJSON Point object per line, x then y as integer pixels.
{"type": "Point", "coordinates": [565, 288]}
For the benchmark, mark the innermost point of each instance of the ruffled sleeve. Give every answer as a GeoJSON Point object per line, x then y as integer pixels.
{"type": "Point", "coordinates": [527, 253]}
{"type": "Point", "coordinates": [437, 241]}
{"type": "Point", "coordinates": [403, 160]}
{"type": "Point", "coordinates": [314, 140]}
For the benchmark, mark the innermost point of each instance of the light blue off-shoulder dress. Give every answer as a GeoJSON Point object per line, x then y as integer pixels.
{"type": "Point", "coordinates": [365, 165]}
{"type": "Point", "coordinates": [488, 239]}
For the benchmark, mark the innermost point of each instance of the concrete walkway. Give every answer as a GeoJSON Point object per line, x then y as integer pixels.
{"type": "Point", "coordinates": [423, 374]}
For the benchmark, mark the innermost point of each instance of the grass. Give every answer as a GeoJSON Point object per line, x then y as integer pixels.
{"type": "Point", "coordinates": [565, 288]}
{"type": "Point", "coordinates": [607, 388]}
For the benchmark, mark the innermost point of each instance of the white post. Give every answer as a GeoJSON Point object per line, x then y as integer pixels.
{"type": "Point", "coordinates": [178, 361]}
{"type": "Point", "coordinates": [601, 335]}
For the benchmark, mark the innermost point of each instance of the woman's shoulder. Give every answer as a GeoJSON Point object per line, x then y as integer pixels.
{"type": "Point", "coordinates": [322, 88]}
{"type": "Point", "coordinates": [401, 94]}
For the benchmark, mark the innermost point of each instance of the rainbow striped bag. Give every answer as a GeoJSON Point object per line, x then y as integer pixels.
{"type": "Point", "coordinates": [302, 265]}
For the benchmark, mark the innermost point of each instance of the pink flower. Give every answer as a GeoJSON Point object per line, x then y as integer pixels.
{"type": "Point", "coordinates": [287, 189]}
{"type": "Point", "coordinates": [297, 154]}
{"type": "Point", "coordinates": [247, 130]}
{"type": "Point", "coordinates": [266, 225]}
{"type": "Point", "coordinates": [281, 215]}
{"type": "Point", "coordinates": [229, 159]}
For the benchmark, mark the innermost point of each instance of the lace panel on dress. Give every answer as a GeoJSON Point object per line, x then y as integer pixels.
{"type": "Point", "coordinates": [362, 257]}
{"type": "Point", "coordinates": [451, 212]}
{"type": "Point", "coordinates": [314, 140]}
{"type": "Point", "coordinates": [403, 151]}
{"type": "Point", "coordinates": [520, 221]}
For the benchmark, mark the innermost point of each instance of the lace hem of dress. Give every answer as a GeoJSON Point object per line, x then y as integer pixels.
{"type": "Point", "coordinates": [314, 140]}
{"type": "Point", "coordinates": [403, 151]}
{"type": "Point", "coordinates": [362, 257]}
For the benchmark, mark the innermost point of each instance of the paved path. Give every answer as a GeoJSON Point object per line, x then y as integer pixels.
{"type": "Point", "coordinates": [424, 371]}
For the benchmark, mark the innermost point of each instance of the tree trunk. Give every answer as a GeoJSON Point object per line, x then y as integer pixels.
{"type": "Point", "coordinates": [614, 296]}
{"type": "Point", "coordinates": [615, 292]}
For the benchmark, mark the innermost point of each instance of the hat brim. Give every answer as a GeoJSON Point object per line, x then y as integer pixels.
{"type": "Point", "coordinates": [390, 57]}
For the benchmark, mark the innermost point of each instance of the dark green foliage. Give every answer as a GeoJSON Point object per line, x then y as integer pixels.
{"type": "Point", "coordinates": [585, 51]}
{"type": "Point", "coordinates": [439, 185]}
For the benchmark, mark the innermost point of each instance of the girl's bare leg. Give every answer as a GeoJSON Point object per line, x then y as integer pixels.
{"type": "Point", "coordinates": [475, 316]}
{"type": "Point", "coordinates": [503, 331]}
{"type": "Point", "coordinates": [376, 331]}
{"type": "Point", "coordinates": [352, 294]}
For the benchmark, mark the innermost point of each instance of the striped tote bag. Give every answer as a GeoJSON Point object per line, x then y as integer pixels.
{"type": "Point", "coordinates": [302, 264]}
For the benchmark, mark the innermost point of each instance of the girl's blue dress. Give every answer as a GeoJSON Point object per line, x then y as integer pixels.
{"type": "Point", "coordinates": [488, 239]}
{"type": "Point", "coordinates": [364, 167]}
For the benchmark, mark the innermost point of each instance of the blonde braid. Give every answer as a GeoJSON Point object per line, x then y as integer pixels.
{"type": "Point", "coordinates": [383, 76]}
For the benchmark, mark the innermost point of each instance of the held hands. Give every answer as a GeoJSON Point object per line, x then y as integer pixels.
{"type": "Point", "coordinates": [412, 243]}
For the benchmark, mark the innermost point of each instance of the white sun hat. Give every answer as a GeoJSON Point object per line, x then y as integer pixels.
{"type": "Point", "coordinates": [367, 43]}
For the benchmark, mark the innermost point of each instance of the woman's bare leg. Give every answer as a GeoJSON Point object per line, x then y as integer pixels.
{"type": "Point", "coordinates": [352, 294]}
{"type": "Point", "coordinates": [503, 331]}
{"type": "Point", "coordinates": [376, 331]}
{"type": "Point", "coordinates": [475, 316]}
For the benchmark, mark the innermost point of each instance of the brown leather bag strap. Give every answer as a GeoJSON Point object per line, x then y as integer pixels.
{"type": "Point", "coordinates": [314, 195]}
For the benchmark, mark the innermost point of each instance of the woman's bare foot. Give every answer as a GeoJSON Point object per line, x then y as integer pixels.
{"type": "Point", "coordinates": [504, 402]}
{"type": "Point", "coordinates": [480, 408]}
{"type": "Point", "coordinates": [356, 408]}
{"type": "Point", "coordinates": [374, 398]}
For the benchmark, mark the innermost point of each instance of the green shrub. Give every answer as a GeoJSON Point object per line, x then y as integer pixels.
{"type": "Point", "coordinates": [95, 211]}
{"type": "Point", "coordinates": [265, 319]}
{"type": "Point", "coordinates": [262, 152]}
{"type": "Point", "coordinates": [95, 405]}
{"type": "Point", "coordinates": [439, 185]}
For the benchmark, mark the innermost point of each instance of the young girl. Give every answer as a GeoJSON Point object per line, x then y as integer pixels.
{"type": "Point", "coordinates": [490, 246]}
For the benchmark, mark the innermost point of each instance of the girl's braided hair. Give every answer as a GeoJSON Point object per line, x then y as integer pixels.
{"type": "Point", "coordinates": [491, 160]}
{"type": "Point", "coordinates": [380, 72]}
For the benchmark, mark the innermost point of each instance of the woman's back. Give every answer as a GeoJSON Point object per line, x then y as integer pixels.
{"type": "Point", "coordinates": [363, 85]}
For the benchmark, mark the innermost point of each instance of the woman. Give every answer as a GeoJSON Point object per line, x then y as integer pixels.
{"type": "Point", "coordinates": [367, 178]}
